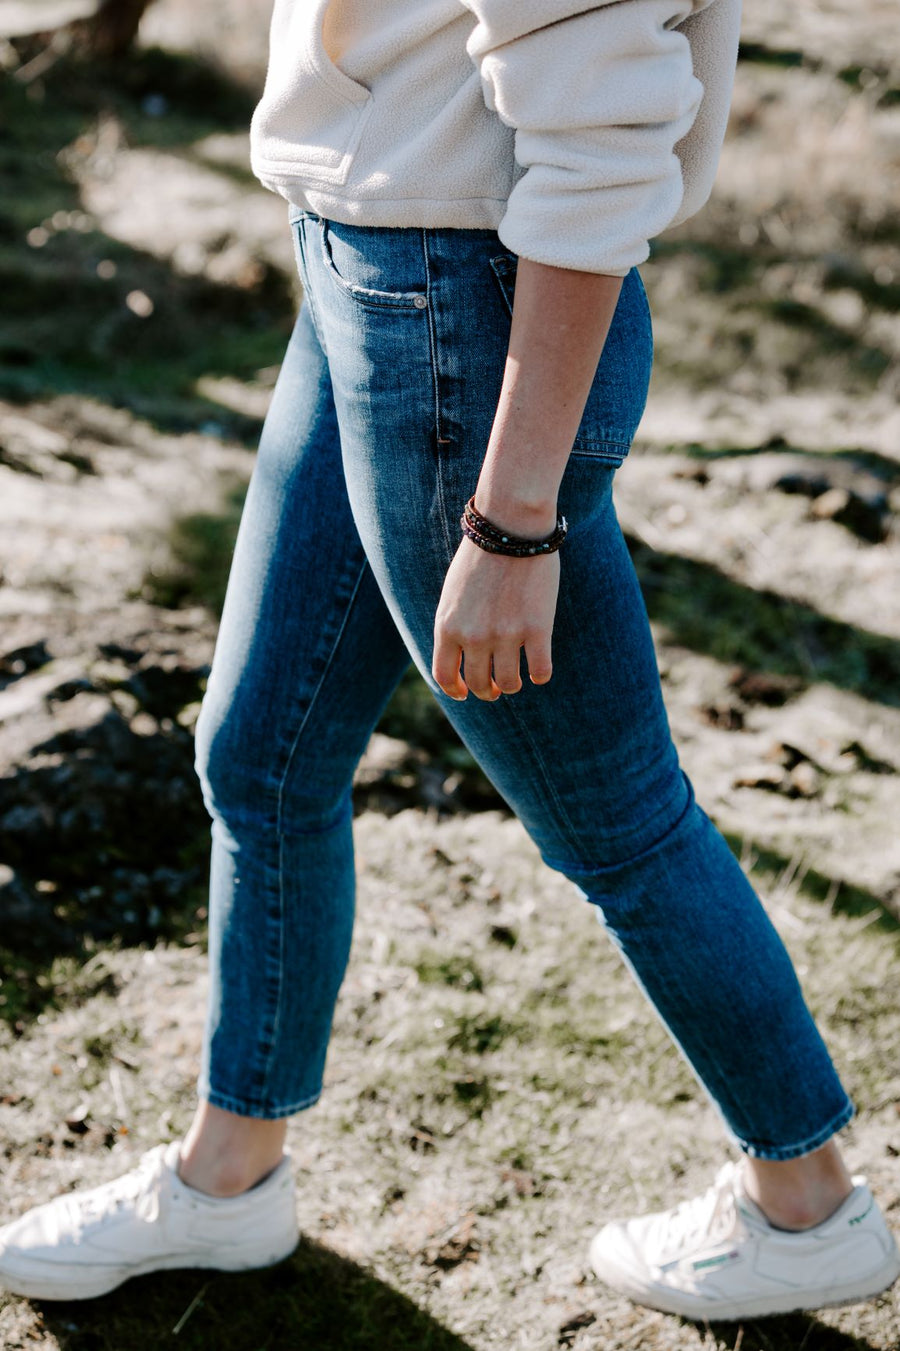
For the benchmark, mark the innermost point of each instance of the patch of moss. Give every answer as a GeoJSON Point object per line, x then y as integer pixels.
{"type": "Point", "coordinates": [480, 1033]}
{"type": "Point", "coordinates": [457, 970]}
{"type": "Point", "coordinates": [30, 985]}
{"type": "Point", "coordinates": [473, 1092]}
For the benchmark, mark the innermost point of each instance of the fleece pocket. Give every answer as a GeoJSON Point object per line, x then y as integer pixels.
{"type": "Point", "coordinates": [312, 115]}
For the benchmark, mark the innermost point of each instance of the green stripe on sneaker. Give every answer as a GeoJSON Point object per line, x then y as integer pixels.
{"type": "Point", "coordinates": [714, 1261]}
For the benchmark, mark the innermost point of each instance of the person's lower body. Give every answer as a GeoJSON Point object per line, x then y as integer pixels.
{"type": "Point", "coordinates": [372, 444]}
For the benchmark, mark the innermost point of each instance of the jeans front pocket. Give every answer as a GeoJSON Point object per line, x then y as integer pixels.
{"type": "Point", "coordinates": [618, 393]}
{"type": "Point", "coordinates": [351, 267]}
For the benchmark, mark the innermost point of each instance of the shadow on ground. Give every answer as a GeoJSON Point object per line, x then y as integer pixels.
{"type": "Point", "coordinates": [313, 1301]}
{"type": "Point", "coordinates": [707, 611]}
{"type": "Point", "coordinates": [73, 318]}
{"type": "Point", "coordinates": [104, 825]}
{"type": "Point", "coordinates": [317, 1300]}
{"type": "Point", "coordinates": [796, 1332]}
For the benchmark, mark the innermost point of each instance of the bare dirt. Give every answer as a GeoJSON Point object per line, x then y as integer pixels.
{"type": "Point", "coordinates": [496, 1085]}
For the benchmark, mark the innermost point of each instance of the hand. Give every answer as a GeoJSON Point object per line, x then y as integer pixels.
{"type": "Point", "coordinates": [491, 607]}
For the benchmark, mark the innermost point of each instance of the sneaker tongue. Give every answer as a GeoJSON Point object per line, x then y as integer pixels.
{"type": "Point", "coordinates": [171, 1155]}
{"type": "Point", "coordinates": [171, 1158]}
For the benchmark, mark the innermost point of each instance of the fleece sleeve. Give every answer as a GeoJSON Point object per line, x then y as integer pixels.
{"type": "Point", "coordinates": [599, 95]}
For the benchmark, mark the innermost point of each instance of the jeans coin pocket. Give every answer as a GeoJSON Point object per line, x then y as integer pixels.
{"type": "Point", "coordinates": [353, 268]}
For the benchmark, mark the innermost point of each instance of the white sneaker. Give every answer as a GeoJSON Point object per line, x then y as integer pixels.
{"type": "Point", "coordinates": [85, 1243]}
{"type": "Point", "coordinates": [718, 1256]}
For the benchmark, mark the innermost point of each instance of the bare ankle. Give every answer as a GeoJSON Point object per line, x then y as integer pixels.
{"type": "Point", "coordinates": [223, 1178]}
{"type": "Point", "coordinates": [801, 1193]}
{"type": "Point", "coordinates": [224, 1154]}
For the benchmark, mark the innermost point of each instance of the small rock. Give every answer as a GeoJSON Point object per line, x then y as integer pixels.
{"type": "Point", "coordinates": [696, 473]}
{"type": "Point", "coordinates": [26, 821]}
{"type": "Point", "coordinates": [109, 673]}
{"type": "Point", "coordinates": [763, 687]}
{"type": "Point", "coordinates": [460, 1244]}
{"type": "Point", "coordinates": [809, 484]}
{"type": "Point", "coordinates": [804, 779]}
{"type": "Point", "coordinates": [723, 714]}
{"type": "Point", "coordinates": [770, 777]}
{"type": "Point", "coordinates": [572, 1326]}
{"type": "Point", "coordinates": [785, 754]}
{"type": "Point", "coordinates": [868, 516]}
{"type": "Point", "coordinates": [67, 689]}
{"type": "Point", "coordinates": [522, 1181]}
{"type": "Point", "coordinates": [187, 717]}
{"type": "Point", "coordinates": [76, 1120]}
{"type": "Point", "coordinates": [857, 757]}
{"type": "Point", "coordinates": [21, 660]}
{"type": "Point", "coordinates": [831, 503]}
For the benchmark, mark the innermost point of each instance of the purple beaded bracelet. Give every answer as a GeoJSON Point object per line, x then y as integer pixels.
{"type": "Point", "coordinates": [496, 541]}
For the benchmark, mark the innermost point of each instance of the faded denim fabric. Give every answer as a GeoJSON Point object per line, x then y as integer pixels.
{"type": "Point", "coordinates": [373, 442]}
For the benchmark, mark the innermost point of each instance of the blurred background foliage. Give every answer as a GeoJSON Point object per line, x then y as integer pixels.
{"type": "Point", "coordinates": [148, 291]}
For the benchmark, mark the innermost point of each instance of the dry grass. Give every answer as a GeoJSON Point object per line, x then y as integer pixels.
{"type": "Point", "coordinates": [496, 1088]}
{"type": "Point", "coordinates": [496, 1085]}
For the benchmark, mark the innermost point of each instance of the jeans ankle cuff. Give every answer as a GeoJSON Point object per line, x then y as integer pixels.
{"type": "Point", "coordinates": [781, 1153]}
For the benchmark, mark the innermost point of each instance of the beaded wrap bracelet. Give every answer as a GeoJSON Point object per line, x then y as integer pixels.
{"type": "Point", "coordinates": [496, 541]}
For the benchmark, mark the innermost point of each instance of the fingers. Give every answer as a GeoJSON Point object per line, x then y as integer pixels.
{"type": "Point", "coordinates": [445, 666]}
{"type": "Point", "coordinates": [458, 669]}
{"type": "Point", "coordinates": [538, 656]}
{"type": "Point", "coordinates": [477, 666]}
{"type": "Point", "coordinates": [506, 669]}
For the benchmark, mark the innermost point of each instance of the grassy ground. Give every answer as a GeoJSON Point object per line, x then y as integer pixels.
{"type": "Point", "coordinates": [496, 1085]}
{"type": "Point", "coordinates": [496, 1088]}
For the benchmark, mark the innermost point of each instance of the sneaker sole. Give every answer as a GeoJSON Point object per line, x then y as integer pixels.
{"type": "Point", "coordinates": [765, 1306]}
{"type": "Point", "coordinates": [82, 1287]}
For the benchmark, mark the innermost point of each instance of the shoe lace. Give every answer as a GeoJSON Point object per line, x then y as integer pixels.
{"type": "Point", "coordinates": [139, 1182]}
{"type": "Point", "coordinates": [705, 1218]}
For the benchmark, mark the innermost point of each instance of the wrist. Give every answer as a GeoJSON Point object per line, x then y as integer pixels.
{"type": "Point", "coordinates": [533, 519]}
{"type": "Point", "coordinates": [496, 539]}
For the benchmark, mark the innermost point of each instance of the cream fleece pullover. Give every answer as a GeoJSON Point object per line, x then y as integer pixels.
{"type": "Point", "coordinates": [579, 131]}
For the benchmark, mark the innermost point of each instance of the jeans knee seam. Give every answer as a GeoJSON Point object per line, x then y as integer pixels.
{"type": "Point", "coordinates": [563, 816]}
{"type": "Point", "coordinates": [574, 870]}
{"type": "Point", "coordinates": [276, 1018]}
{"type": "Point", "coordinates": [315, 694]}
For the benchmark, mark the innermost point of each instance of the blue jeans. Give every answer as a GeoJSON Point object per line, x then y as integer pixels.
{"type": "Point", "coordinates": [373, 442]}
